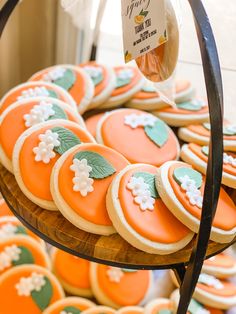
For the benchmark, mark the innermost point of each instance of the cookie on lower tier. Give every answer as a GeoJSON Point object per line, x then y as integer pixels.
{"type": "Point", "coordinates": [221, 266]}
{"type": "Point", "coordinates": [100, 309]}
{"type": "Point", "coordinates": [74, 305]}
{"type": "Point", "coordinates": [159, 306]}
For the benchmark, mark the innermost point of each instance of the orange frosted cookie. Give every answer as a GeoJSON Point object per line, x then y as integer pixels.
{"type": "Point", "coordinates": [4, 209]}
{"type": "Point", "coordinates": [185, 113]}
{"type": "Point", "coordinates": [100, 310]}
{"type": "Point", "coordinates": [221, 266]}
{"type": "Point", "coordinates": [140, 216]}
{"type": "Point", "coordinates": [200, 134]}
{"type": "Point", "coordinates": [104, 80]}
{"type": "Point", "coordinates": [73, 305]}
{"type": "Point", "coordinates": [35, 89]}
{"type": "Point", "coordinates": [19, 250]}
{"type": "Point", "coordinates": [73, 79]}
{"type": "Point", "coordinates": [25, 114]}
{"type": "Point", "coordinates": [128, 82]}
{"type": "Point", "coordinates": [139, 136]}
{"type": "Point", "coordinates": [79, 183]}
{"type": "Point", "coordinates": [181, 189]}
{"type": "Point", "coordinates": [74, 277]}
{"type": "Point", "coordinates": [117, 287]}
{"type": "Point", "coordinates": [159, 306]}
{"type": "Point", "coordinates": [131, 310]}
{"type": "Point", "coordinates": [197, 156]}
{"type": "Point", "coordinates": [10, 226]}
{"type": "Point", "coordinates": [91, 123]}
{"type": "Point", "coordinates": [28, 289]}
{"type": "Point", "coordinates": [37, 150]}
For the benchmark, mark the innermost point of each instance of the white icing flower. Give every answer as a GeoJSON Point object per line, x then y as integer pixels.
{"type": "Point", "coordinates": [7, 230]}
{"type": "Point", "coordinates": [187, 183]}
{"type": "Point", "coordinates": [44, 152]}
{"type": "Point", "coordinates": [132, 120]}
{"type": "Point", "coordinates": [228, 159]}
{"type": "Point", "coordinates": [115, 274]}
{"type": "Point", "coordinates": [38, 281]}
{"type": "Point", "coordinates": [39, 113]}
{"type": "Point", "coordinates": [197, 102]}
{"type": "Point", "coordinates": [54, 74]}
{"type": "Point", "coordinates": [5, 261]}
{"type": "Point", "coordinates": [13, 252]}
{"type": "Point", "coordinates": [210, 281]}
{"type": "Point", "coordinates": [50, 137]}
{"type": "Point", "coordinates": [34, 92]}
{"type": "Point", "coordinates": [92, 71]}
{"type": "Point", "coordinates": [145, 201]}
{"type": "Point", "coordinates": [137, 185]}
{"type": "Point", "coordinates": [83, 184]}
{"type": "Point", "coordinates": [24, 287]}
{"type": "Point", "coordinates": [80, 166]}
{"type": "Point", "coordinates": [124, 74]}
{"type": "Point", "coordinates": [147, 119]}
{"type": "Point", "coordinates": [195, 198]}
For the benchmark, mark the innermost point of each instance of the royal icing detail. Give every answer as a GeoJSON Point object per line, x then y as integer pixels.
{"type": "Point", "coordinates": [7, 230]}
{"type": "Point", "coordinates": [95, 73]}
{"type": "Point", "coordinates": [192, 105]}
{"type": "Point", "coordinates": [115, 274]}
{"type": "Point", "coordinates": [210, 281]}
{"type": "Point", "coordinates": [39, 113]}
{"type": "Point", "coordinates": [227, 130]}
{"type": "Point", "coordinates": [81, 181]}
{"type": "Point", "coordinates": [54, 74]}
{"type": "Point", "coordinates": [10, 254]}
{"type": "Point", "coordinates": [228, 159]}
{"type": "Point", "coordinates": [27, 285]}
{"type": "Point", "coordinates": [123, 77]}
{"type": "Point", "coordinates": [192, 192]}
{"type": "Point", "coordinates": [147, 88]}
{"type": "Point", "coordinates": [44, 151]}
{"type": "Point", "coordinates": [134, 120]}
{"type": "Point", "coordinates": [61, 76]}
{"type": "Point", "coordinates": [39, 91]}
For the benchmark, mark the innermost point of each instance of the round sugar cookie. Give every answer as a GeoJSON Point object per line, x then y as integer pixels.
{"type": "Point", "coordinates": [37, 150]}
{"type": "Point", "coordinates": [184, 90]}
{"type": "Point", "coordinates": [4, 209]}
{"type": "Point", "coordinates": [139, 215]}
{"type": "Point", "coordinates": [181, 189]}
{"type": "Point", "coordinates": [221, 266]}
{"type": "Point", "coordinates": [197, 156]}
{"type": "Point", "coordinates": [139, 136]}
{"type": "Point", "coordinates": [195, 307]}
{"type": "Point", "coordinates": [159, 306]}
{"type": "Point", "coordinates": [79, 183]}
{"type": "Point", "coordinates": [200, 134]}
{"type": "Point", "coordinates": [35, 89]}
{"type": "Point", "coordinates": [131, 310]}
{"type": "Point", "coordinates": [74, 278]}
{"type": "Point", "coordinates": [91, 123]}
{"type": "Point", "coordinates": [25, 114]}
{"type": "Point", "coordinates": [73, 79]}
{"type": "Point", "coordinates": [128, 82]}
{"type": "Point", "coordinates": [104, 80]}
{"type": "Point", "coordinates": [11, 226]}
{"type": "Point", "coordinates": [74, 305]}
{"type": "Point", "coordinates": [28, 289]}
{"type": "Point", "coordinates": [20, 250]}
{"type": "Point", "coordinates": [117, 287]}
{"type": "Point", "coordinates": [100, 309]}
{"type": "Point", "coordinates": [185, 113]}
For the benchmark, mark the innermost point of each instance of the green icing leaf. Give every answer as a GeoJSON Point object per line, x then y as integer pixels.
{"type": "Point", "coordinates": [98, 79]}
{"type": "Point", "coordinates": [67, 139]}
{"type": "Point", "coordinates": [26, 257]}
{"type": "Point", "coordinates": [157, 133]}
{"type": "Point", "coordinates": [150, 180]}
{"type": "Point", "coordinates": [164, 311]}
{"type": "Point", "coordinates": [72, 310]}
{"type": "Point", "coordinates": [43, 297]}
{"type": "Point", "coordinates": [227, 130]}
{"type": "Point", "coordinates": [205, 150]}
{"type": "Point", "coordinates": [101, 168]}
{"type": "Point", "coordinates": [122, 82]}
{"type": "Point", "coordinates": [21, 230]}
{"type": "Point", "coordinates": [192, 105]}
{"type": "Point", "coordinates": [52, 93]}
{"type": "Point", "coordinates": [67, 81]}
{"type": "Point", "coordinates": [149, 89]}
{"type": "Point", "coordinates": [59, 113]}
{"type": "Point", "coordinates": [192, 174]}
{"type": "Point", "coordinates": [126, 270]}
{"type": "Point", "coordinates": [194, 307]}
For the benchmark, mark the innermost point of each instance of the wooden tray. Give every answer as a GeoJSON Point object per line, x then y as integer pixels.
{"type": "Point", "coordinates": [112, 250]}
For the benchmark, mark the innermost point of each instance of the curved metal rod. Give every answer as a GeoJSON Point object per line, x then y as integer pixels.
{"type": "Point", "coordinates": [6, 12]}
{"type": "Point", "coordinates": [213, 81]}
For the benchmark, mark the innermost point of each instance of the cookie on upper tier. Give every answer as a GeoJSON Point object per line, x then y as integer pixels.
{"type": "Point", "coordinates": [139, 136]}
{"type": "Point", "coordinates": [37, 150]}
{"type": "Point", "coordinates": [73, 79]}
{"type": "Point", "coordinates": [139, 215]}
{"type": "Point", "coordinates": [79, 183]}
{"type": "Point", "coordinates": [36, 89]}
{"type": "Point", "coordinates": [128, 82]}
{"type": "Point", "coordinates": [104, 80]}
{"type": "Point", "coordinates": [73, 305]}
{"type": "Point", "coordinates": [25, 114]}
{"type": "Point", "coordinates": [74, 278]}
{"type": "Point", "coordinates": [117, 287]}
{"type": "Point", "coordinates": [181, 188]}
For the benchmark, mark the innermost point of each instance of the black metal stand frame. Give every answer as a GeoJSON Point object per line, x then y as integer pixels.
{"type": "Point", "coordinates": [188, 277]}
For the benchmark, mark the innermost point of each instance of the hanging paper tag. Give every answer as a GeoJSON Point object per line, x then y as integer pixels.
{"type": "Point", "coordinates": [144, 26]}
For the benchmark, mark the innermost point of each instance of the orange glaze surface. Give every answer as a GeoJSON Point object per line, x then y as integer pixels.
{"type": "Point", "coordinates": [91, 123]}
{"type": "Point", "coordinates": [4, 209]}
{"type": "Point", "coordinates": [229, 289]}
{"type": "Point", "coordinates": [221, 261]}
{"type": "Point", "coordinates": [201, 130]}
